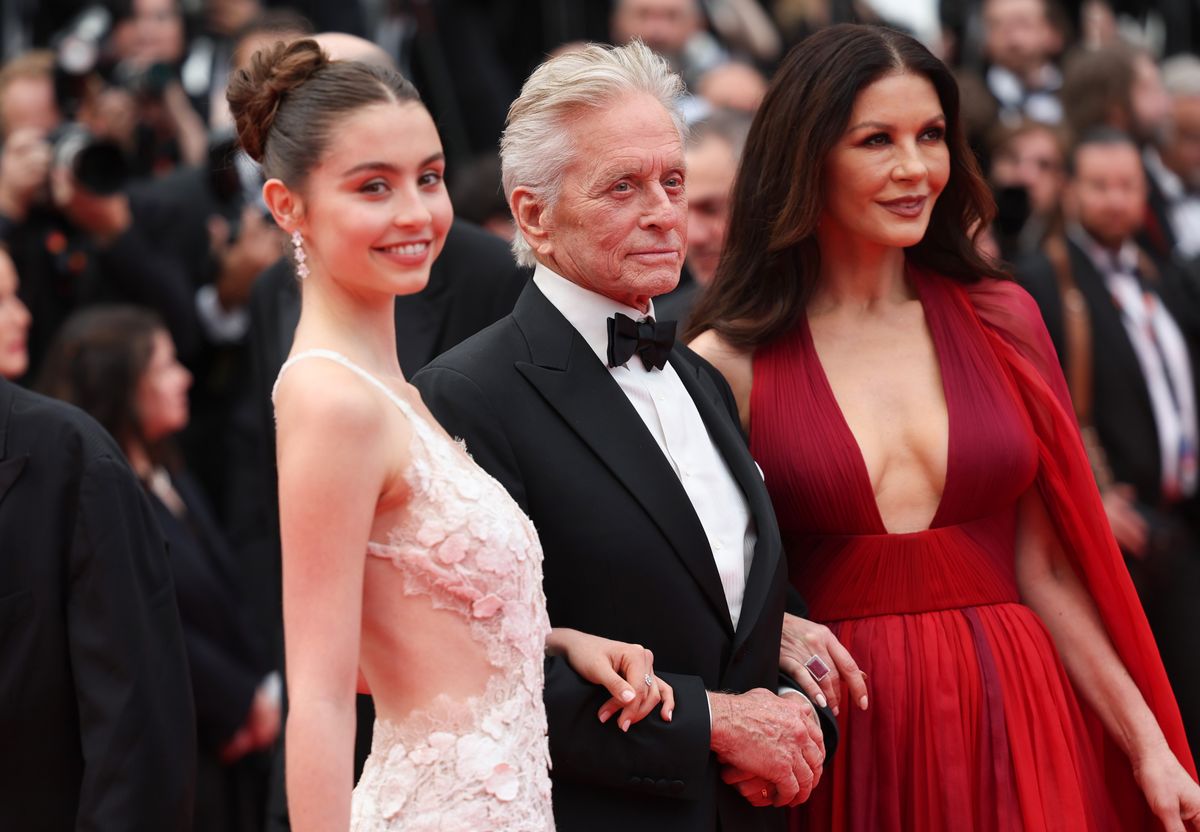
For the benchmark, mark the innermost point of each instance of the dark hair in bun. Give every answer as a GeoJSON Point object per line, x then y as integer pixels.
{"type": "Point", "coordinates": [286, 104]}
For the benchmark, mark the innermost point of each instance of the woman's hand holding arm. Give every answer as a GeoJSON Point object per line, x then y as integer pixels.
{"type": "Point", "coordinates": [1050, 586]}
{"type": "Point", "coordinates": [623, 669]}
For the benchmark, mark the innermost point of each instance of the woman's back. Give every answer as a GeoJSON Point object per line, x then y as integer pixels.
{"type": "Point", "coordinates": [453, 637]}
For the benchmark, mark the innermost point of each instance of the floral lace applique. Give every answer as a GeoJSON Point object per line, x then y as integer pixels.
{"type": "Point", "coordinates": [482, 764]}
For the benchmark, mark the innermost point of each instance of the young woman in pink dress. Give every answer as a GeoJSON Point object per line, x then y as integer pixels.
{"type": "Point", "coordinates": [406, 569]}
{"type": "Point", "coordinates": [913, 427]}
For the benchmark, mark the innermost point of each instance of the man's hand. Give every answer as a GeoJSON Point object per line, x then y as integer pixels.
{"type": "Point", "coordinates": [803, 639]}
{"type": "Point", "coordinates": [772, 738]}
{"type": "Point", "coordinates": [1128, 526]}
{"type": "Point", "coordinates": [259, 244]}
{"type": "Point", "coordinates": [261, 726]}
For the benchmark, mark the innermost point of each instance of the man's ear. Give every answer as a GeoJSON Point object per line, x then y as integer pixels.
{"type": "Point", "coordinates": [284, 204]}
{"type": "Point", "coordinates": [532, 218]}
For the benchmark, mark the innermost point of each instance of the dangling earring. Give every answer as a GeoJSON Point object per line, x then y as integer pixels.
{"type": "Point", "coordinates": [298, 252]}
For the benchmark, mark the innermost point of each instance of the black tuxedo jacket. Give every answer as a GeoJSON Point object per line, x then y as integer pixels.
{"type": "Point", "coordinates": [1121, 409]}
{"type": "Point", "coordinates": [96, 724]}
{"type": "Point", "coordinates": [625, 557]}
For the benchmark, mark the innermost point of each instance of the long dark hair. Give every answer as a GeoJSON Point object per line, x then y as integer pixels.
{"type": "Point", "coordinates": [96, 361]}
{"type": "Point", "coordinates": [771, 259]}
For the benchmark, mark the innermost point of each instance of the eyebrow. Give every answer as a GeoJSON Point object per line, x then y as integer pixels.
{"type": "Point", "coordinates": [879, 125]}
{"type": "Point", "coordinates": [390, 168]}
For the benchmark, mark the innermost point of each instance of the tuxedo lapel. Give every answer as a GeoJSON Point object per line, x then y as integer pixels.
{"type": "Point", "coordinates": [729, 442]}
{"type": "Point", "coordinates": [567, 374]}
{"type": "Point", "coordinates": [10, 467]}
{"type": "Point", "coordinates": [1108, 328]}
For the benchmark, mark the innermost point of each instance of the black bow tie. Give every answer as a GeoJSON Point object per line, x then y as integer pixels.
{"type": "Point", "coordinates": [650, 339]}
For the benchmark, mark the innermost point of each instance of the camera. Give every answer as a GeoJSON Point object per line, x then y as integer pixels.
{"type": "Point", "coordinates": [98, 165]}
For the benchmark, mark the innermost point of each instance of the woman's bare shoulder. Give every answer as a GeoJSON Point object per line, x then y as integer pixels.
{"type": "Point", "coordinates": [736, 364]}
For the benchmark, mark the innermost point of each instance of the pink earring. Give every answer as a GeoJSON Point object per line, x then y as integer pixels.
{"type": "Point", "coordinates": [301, 257]}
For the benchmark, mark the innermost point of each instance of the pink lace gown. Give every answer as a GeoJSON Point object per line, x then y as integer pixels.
{"type": "Point", "coordinates": [462, 541]}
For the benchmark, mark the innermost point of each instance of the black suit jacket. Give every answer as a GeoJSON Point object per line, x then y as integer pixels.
{"type": "Point", "coordinates": [228, 658]}
{"type": "Point", "coordinates": [625, 557]}
{"type": "Point", "coordinates": [95, 703]}
{"type": "Point", "coordinates": [1122, 413]}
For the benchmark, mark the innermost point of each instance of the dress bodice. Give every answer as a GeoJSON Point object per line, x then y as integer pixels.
{"type": "Point", "coordinates": [461, 541]}
{"type": "Point", "coordinates": [838, 547]}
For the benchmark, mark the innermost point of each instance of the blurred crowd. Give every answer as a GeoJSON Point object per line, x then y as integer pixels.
{"type": "Point", "coordinates": [133, 241]}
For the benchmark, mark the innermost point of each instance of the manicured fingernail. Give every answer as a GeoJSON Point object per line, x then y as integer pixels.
{"type": "Point", "coordinates": [667, 715]}
{"type": "Point", "coordinates": [604, 715]}
{"type": "Point", "coordinates": [627, 696]}
{"type": "Point", "coordinates": [822, 701]}
{"type": "Point", "coordinates": [862, 703]}
{"type": "Point", "coordinates": [625, 725]}
{"type": "Point", "coordinates": [835, 710]}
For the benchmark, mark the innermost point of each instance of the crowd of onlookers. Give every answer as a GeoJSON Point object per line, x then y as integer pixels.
{"type": "Point", "coordinates": [133, 238]}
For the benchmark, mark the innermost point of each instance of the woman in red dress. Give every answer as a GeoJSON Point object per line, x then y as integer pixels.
{"type": "Point", "coordinates": [913, 427]}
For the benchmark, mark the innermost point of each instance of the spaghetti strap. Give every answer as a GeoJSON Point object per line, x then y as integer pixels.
{"type": "Point", "coordinates": [338, 358]}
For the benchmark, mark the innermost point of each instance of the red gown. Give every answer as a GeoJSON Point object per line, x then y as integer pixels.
{"type": "Point", "coordinates": [973, 723]}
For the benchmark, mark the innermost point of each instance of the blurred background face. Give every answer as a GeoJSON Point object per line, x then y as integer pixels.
{"type": "Point", "coordinates": [711, 169]}
{"type": "Point", "coordinates": [14, 323]}
{"type": "Point", "coordinates": [1017, 34]}
{"type": "Point", "coordinates": [664, 25]}
{"type": "Point", "coordinates": [1149, 99]}
{"type": "Point", "coordinates": [157, 31]}
{"type": "Point", "coordinates": [162, 402]}
{"type": "Point", "coordinates": [1032, 160]}
{"type": "Point", "coordinates": [1107, 195]}
{"type": "Point", "coordinates": [29, 102]}
{"type": "Point", "coordinates": [1181, 153]}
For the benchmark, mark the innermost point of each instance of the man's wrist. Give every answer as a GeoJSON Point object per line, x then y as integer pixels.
{"type": "Point", "coordinates": [718, 711]}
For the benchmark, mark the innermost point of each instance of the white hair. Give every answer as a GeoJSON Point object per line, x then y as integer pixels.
{"type": "Point", "coordinates": [1181, 75]}
{"type": "Point", "coordinates": [537, 145]}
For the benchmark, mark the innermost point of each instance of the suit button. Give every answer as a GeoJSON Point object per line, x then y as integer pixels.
{"type": "Point", "coordinates": [662, 785]}
{"type": "Point", "coordinates": [635, 781]}
{"type": "Point", "coordinates": [676, 786]}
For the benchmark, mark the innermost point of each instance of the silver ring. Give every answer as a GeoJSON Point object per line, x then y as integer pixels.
{"type": "Point", "coordinates": [649, 680]}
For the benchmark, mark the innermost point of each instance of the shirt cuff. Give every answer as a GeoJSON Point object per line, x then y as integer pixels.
{"type": "Point", "coordinates": [786, 689]}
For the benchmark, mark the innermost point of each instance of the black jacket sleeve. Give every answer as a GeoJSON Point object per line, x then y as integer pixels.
{"type": "Point", "coordinates": [128, 661]}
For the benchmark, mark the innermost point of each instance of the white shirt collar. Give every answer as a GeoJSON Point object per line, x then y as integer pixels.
{"type": "Point", "coordinates": [584, 309]}
{"type": "Point", "coordinates": [1102, 257]}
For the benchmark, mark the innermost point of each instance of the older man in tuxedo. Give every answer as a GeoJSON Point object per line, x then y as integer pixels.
{"type": "Point", "coordinates": [624, 450]}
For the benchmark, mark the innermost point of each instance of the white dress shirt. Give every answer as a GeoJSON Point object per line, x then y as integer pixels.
{"type": "Point", "coordinates": [1163, 356]}
{"type": "Point", "coordinates": [669, 413]}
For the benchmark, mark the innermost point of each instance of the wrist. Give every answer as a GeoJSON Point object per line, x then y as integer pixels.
{"type": "Point", "coordinates": [559, 640]}
{"type": "Point", "coordinates": [719, 706]}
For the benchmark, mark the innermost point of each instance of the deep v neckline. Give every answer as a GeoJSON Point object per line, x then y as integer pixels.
{"type": "Point", "coordinates": [859, 460]}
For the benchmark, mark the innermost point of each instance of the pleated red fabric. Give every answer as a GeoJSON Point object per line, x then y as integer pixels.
{"type": "Point", "coordinates": [973, 722]}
